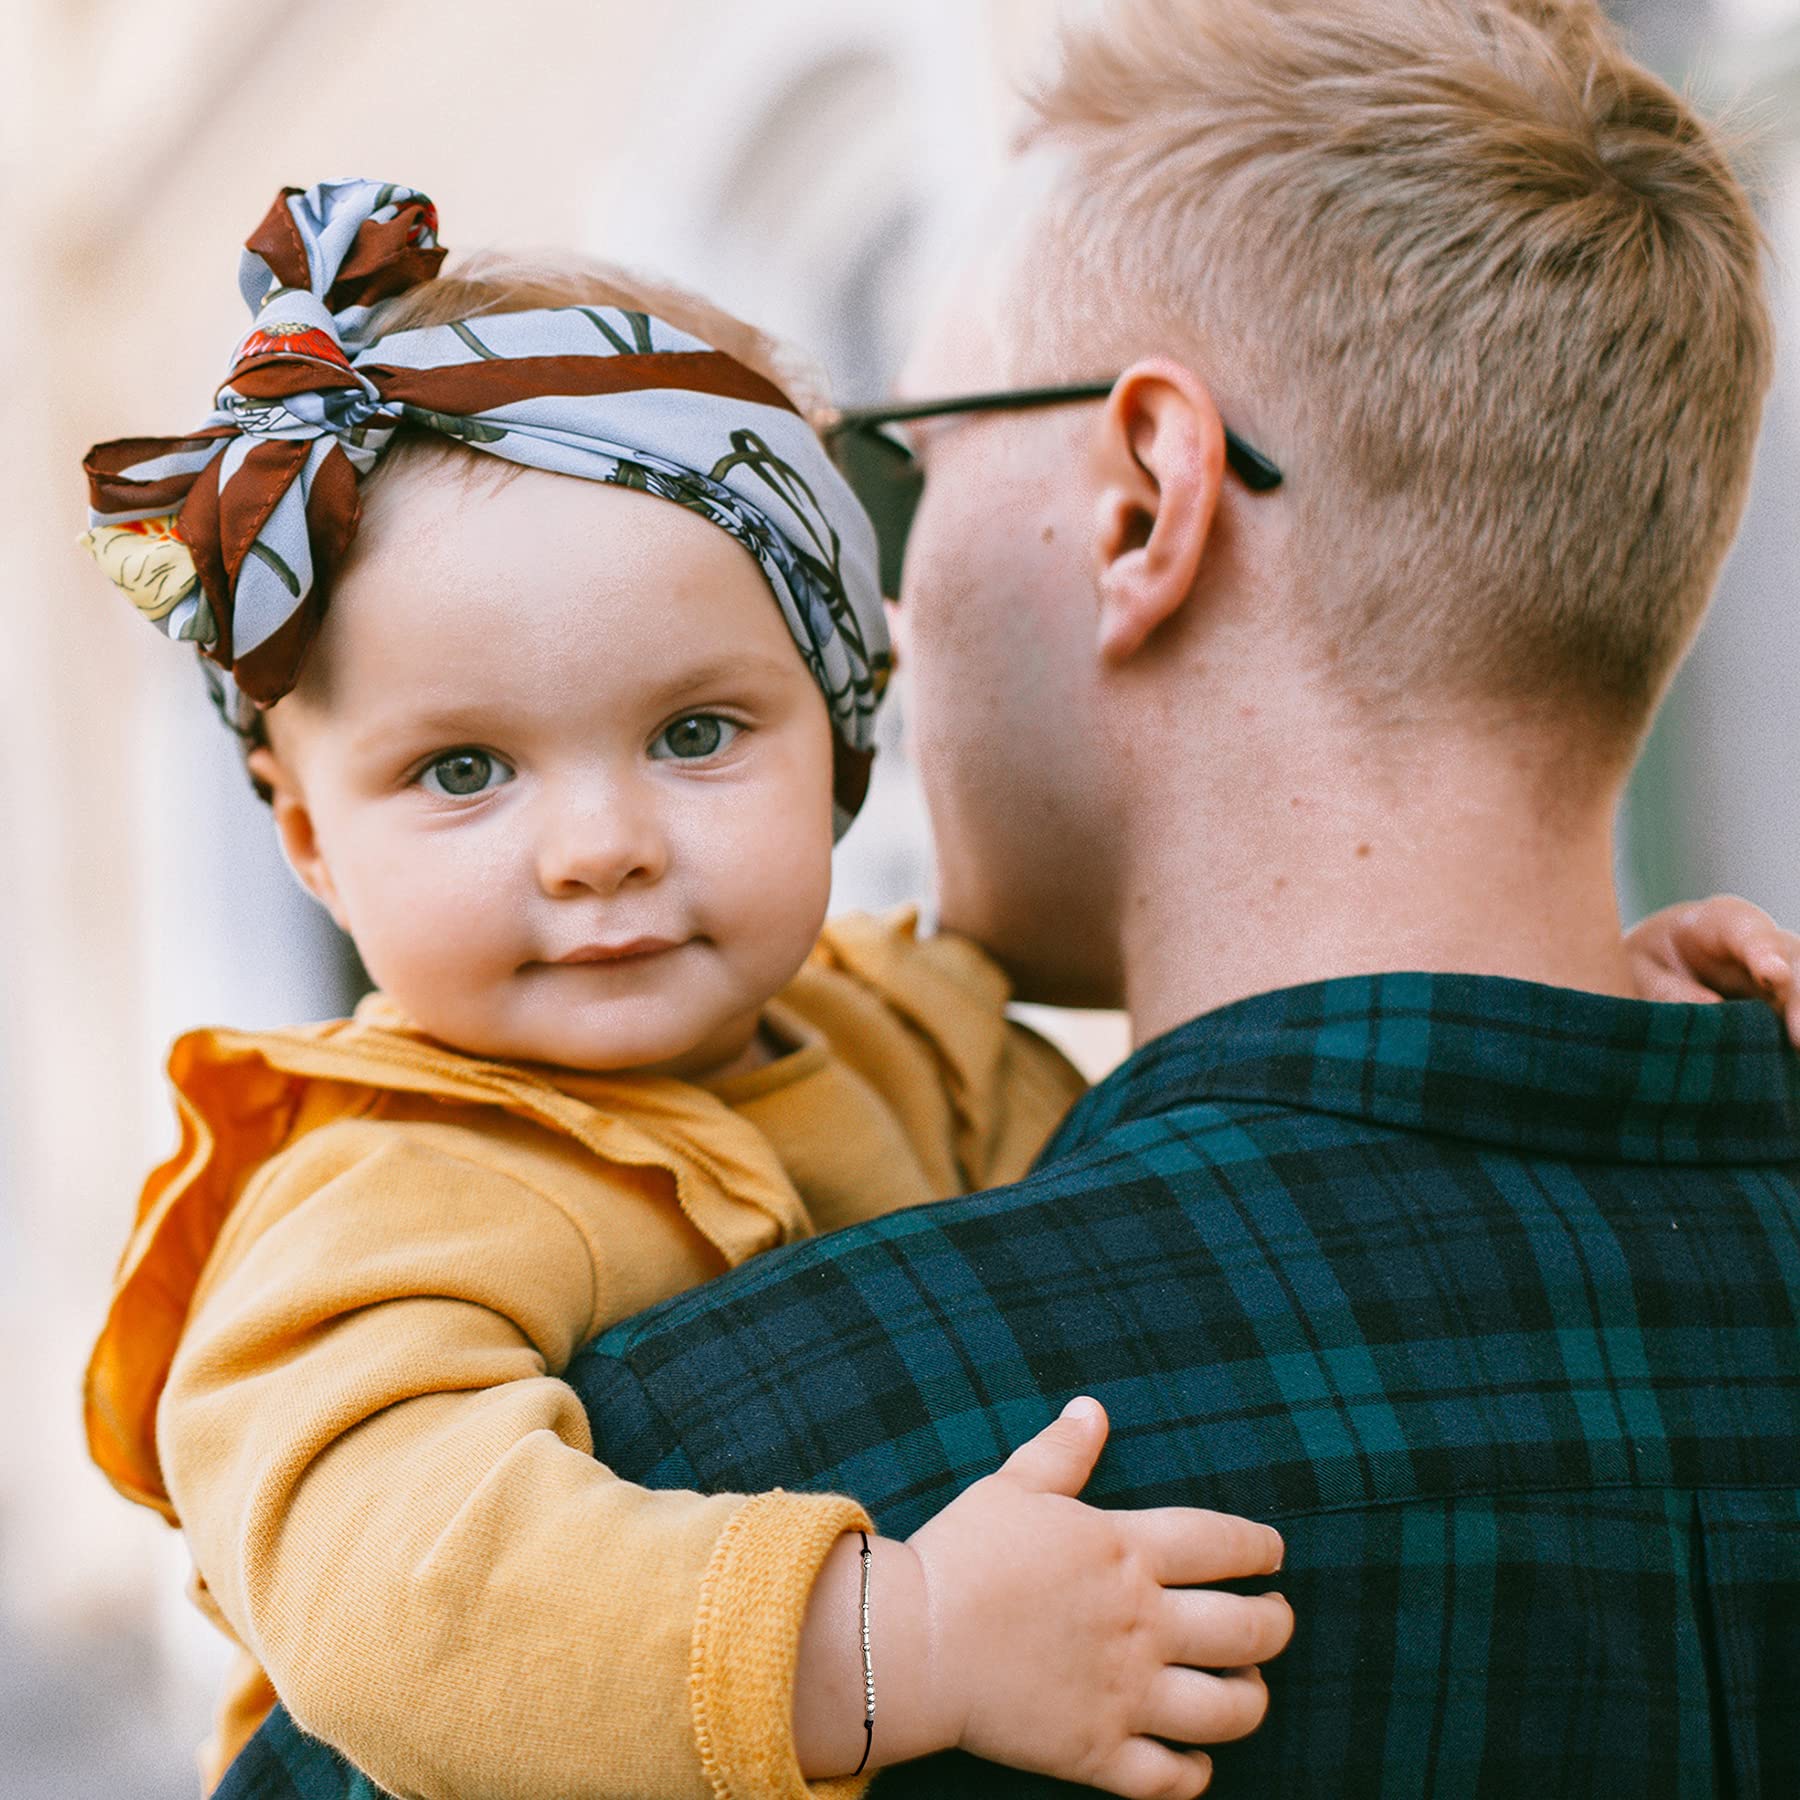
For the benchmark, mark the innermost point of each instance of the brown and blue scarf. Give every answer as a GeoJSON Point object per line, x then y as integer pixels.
{"type": "Point", "coordinates": [227, 537]}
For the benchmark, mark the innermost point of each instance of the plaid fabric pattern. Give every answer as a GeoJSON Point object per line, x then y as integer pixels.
{"type": "Point", "coordinates": [1487, 1294]}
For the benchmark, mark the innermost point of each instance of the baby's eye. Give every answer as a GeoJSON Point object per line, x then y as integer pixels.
{"type": "Point", "coordinates": [698, 735]}
{"type": "Point", "coordinates": [461, 774]}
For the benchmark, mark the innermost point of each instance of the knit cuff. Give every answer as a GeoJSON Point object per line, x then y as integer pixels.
{"type": "Point", "coordinates": [753, 1601]}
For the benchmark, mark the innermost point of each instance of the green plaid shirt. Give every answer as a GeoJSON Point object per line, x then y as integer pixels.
{"type": "Point", "coordinates": [1487, 1294]}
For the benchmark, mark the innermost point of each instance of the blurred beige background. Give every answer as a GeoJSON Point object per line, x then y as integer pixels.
{"type": "Point", "coordinates": [804, 161]}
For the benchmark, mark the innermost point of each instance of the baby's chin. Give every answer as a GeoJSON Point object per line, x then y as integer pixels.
{"type": "Point", "coordinates": [629, 1037]}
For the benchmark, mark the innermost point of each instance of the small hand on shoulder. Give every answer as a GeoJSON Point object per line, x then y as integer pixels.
{"type": "Point", "coordinates": [1722, 948]}
{"type": "Point", "coordinates": [1024, 1626]}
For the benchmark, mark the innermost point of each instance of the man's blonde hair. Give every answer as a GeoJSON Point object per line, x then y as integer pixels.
{"type": "Point", "coordinates": [1487, 290]}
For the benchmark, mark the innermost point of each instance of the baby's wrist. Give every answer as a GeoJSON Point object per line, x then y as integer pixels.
{"type": "Point", "coordinates": [911, 1717]}
{"type": "Point", "coordinates": [916, 1699]}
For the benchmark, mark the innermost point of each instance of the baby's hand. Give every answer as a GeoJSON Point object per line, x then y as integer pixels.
{"type": "Point", "coordinates": [1069, 1640]}
{"type": "Point", "coordinates": [1719, 948]}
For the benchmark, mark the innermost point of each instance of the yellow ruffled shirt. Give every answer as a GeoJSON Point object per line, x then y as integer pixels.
{"type": "Point", "coordinates": [333, 1347]}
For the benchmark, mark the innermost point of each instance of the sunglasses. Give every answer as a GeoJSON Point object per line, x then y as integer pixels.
{"type": "Point", "coordinates": [886, 477]}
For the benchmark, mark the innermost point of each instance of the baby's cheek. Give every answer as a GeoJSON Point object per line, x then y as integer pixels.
{"type": "Point", "coordinates": [780, 901]}
{"type": "Point", "coordinates": [422, 926]}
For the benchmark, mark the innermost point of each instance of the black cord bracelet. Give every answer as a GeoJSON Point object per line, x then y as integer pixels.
{"type": "Point", "coordinates": [868, 1557]}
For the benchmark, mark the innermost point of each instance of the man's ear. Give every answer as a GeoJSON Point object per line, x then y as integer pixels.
{"type": "Point", "coordinates": [294, 828]}
{"type": "Point", "coordinates": [1159, 459]}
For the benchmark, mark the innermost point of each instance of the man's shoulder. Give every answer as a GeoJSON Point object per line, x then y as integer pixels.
{"type": "Point", "coordinates": [920, 1305]}
{"type": "Point", "coordinates": [1220, 1183]}
{"type": "Point", "coordinates": [1187, 1150]}
{"type": "Point", "coordinates": [1282, 1307]}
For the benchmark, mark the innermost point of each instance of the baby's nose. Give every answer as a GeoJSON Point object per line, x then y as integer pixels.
{"type": "Point", "coordinates": [601, 845]}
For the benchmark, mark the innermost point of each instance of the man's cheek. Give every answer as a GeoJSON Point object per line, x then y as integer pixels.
{"type": "Point", "coordinates": [960, 802]}
{"type": "Point", "coordinates": [929, 755]}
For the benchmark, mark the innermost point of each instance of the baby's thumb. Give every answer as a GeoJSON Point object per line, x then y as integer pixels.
{"type": "Point", "coordinates": [1061, 1457]}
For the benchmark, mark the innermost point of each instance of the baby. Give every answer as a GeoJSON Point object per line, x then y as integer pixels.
{"type": "Point", "coordinates": [566, 758]}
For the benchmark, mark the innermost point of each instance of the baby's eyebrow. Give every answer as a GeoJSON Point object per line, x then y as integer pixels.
{"type": "Point", "coordinates": [725, 670]}
{"type": "Point", "coordinates": [415, 730]}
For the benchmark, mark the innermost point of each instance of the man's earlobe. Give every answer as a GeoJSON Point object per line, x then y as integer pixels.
{"type": "Point", "coordinates": [1160, 459]}
{"type": "Point", "coordinates": [295, 830]}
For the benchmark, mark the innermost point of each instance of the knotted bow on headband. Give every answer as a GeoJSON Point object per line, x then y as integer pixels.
{"type": "Point", "coordinates": [227, 538]}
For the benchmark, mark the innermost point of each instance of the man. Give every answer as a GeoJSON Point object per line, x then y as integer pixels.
{"type": "Point", "coordinates": [1482, 1284]}
{"type": "Point", "coordinates": [1404, 1229]}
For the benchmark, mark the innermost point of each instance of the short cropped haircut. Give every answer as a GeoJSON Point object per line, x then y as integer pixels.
{"type": "Point", "coordinates": [1488, 291]}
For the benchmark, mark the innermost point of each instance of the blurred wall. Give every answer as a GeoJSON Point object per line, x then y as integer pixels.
{"type": "Point", "coordinates": [800, 159]}
{"type": "Point", "coordinates": [1716, 802]}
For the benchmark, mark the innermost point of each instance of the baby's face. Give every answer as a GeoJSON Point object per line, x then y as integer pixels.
{"type": "Point", "coordinates": [559, 770]}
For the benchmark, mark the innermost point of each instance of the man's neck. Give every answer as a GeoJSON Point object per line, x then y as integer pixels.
{"type": "Point", "coordinates": [1456, 863]}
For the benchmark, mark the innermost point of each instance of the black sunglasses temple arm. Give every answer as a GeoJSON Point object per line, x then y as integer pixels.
{"type": "Point", "coordinates": [1252, 468]}
{"type": "Point", "coordinates": [1255, 470]}
{"type": "Point", "coordinates": [857, 418]}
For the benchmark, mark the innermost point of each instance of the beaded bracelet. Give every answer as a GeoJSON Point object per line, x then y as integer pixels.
{"type": "Point", "coordinates": [868, 1556]}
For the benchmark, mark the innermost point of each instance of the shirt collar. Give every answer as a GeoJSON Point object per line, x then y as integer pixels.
{"type": "Point", "coordinates": [1540, 1070]}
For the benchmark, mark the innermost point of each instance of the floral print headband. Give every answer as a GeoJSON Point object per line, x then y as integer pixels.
{"type": "Point", "coordinates": [227, 538]}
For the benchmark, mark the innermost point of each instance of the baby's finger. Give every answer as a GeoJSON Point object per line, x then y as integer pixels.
{"type": "Point", "coordinates": [1193, 1707]}
{"type": "Point", "coordinates": [1775, 961]}
{"type": "Point", "coordinates": [1186, 1546]}
{"type": "Point", "coordinates": [1147, 1770]}
{"type": "Point", "coordinates": [1725, 972]}
{"type": "Point", "coordinates": [1727, 919]}
{"type": "Point", "coordinates": [1061, 1457]}
{"type": "Point", "coordinates": [1674, 987]}
{"type": "Point", "coordinates": [1211, 1630]}
{"type": "Point", "coordinates": [1729, 944]}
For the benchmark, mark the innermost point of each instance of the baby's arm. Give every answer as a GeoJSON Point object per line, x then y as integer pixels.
{"type": "Point", "coordinates": [1718, 948]}
{"type": "Point", "coordinates": [396, 1509]}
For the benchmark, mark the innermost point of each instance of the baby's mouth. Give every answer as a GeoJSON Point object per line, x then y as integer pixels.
{"type": "Point", "coordinates": [615, 950]}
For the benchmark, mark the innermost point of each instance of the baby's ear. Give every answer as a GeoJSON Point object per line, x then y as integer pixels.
{"type": "Point", "coordinates": [295, 830]}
